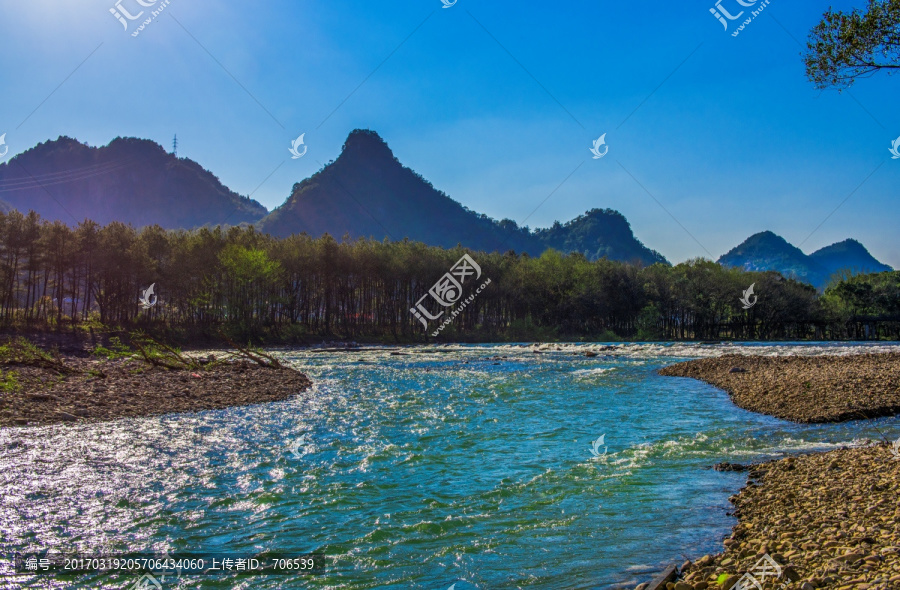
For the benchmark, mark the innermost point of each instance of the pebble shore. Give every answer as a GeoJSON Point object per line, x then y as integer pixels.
{"type": "Point", "coordinates": [829, 520]}
{"type": "Point", "coordinates": [107, 390]}
{"type": "Point", "coordinates": [804, 388]}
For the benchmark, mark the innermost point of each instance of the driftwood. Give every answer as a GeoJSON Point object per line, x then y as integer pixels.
{"type": "Point", "coordinates": [668, 575]}
{"type": "Point", "coordinates": [155, 361]}
{"type": "Point", "coordinates": [259, 357]}
{"type": "Point", "coordinates": [168, 359]}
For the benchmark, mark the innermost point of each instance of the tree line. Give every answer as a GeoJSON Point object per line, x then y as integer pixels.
{"type": "Point", "coordinates": [247, 284]}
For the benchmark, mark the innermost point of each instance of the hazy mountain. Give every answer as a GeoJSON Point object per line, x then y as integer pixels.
{"type": "Point", "coordinates": [130, 180]}
{"type": "Point", "coordinates": [367, 192]}
{"type": "Point", "coordinates": [768, 251]}
{"type": "Point", "coordinates": [848, 255]}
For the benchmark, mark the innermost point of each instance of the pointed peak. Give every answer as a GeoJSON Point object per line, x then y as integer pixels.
{"type": "Point", "coordinates": [362, 135]}
{"type": "Point", "coordinates": [365, 142]}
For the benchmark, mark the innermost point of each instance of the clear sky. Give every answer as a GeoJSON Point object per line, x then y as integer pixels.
{"type": "Point", "coordinates": [496, 103]}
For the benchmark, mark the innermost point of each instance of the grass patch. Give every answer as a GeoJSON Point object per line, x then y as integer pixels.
{"type": "Point", "coordinates": [116, 350]}
{"type": "Point", "coordinates": [9, 381]}
{"type": "Point", "coordinates": [20, 351]}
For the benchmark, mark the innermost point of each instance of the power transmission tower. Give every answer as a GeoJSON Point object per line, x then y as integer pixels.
{"type": "Point", "coordinates": [175, 146]}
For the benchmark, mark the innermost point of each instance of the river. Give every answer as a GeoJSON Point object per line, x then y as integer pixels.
{"type": "Point", "coordinates": [466, 465]}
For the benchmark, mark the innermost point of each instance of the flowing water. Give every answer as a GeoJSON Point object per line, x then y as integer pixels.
{"type": "Point", "coordinates": [465, 465]}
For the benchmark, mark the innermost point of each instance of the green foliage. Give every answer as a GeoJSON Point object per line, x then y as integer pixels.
{"type": "Point", "coordinates": [117, 349]}
{"type": "Point", "coordinates": [648, 327]}
{"type": "Point", "coordinates": [607, 336]}
{"type": "Point", "coordinates": [845, 46]}
{"type": "Point", "coordinates": [246, 266]}
{"type": "Point", "coordinates": [19, 351]}
{"type": "Point", "coordinates": [249, 285]}
{"type": "Point", "coordinates": [22, 352]}
{"type": "Point", "coordinates": [245, 271]}
{"type": "Point", "coordinates": [9, 381]}
{"type": "Point", "coordinates": [524, 330]}
{"type": "Point", "coordinates": [866, 295]}
{"type": "Point", "coordinates": [868, 306]}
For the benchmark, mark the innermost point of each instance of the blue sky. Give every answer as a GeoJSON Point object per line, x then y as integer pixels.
{"type": "Point", "coordinates": [730, 141]}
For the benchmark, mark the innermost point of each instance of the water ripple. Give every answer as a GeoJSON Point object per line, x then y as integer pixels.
{"type": "Point", "coordinates": [459, 464]}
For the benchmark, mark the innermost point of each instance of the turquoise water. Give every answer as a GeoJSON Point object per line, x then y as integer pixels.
{"type": "Point", "coordinates": [459, 464]}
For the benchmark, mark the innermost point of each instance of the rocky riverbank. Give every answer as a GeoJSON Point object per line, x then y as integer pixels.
{"type": "Point", "coordinates": [828, 520]}
{"type": "Point", "coordinates": [804, 388]}
{"type": "Point", "coordinates": [74, 389]}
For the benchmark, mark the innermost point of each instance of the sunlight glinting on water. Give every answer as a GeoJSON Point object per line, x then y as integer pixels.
{"type": "Point", "coordinates": [451, 464]}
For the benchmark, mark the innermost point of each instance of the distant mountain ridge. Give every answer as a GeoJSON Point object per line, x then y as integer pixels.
{"type": "Point", "coordinates": [364, 192]}
{"type": "Point", "coordinates": [129, 180]}
{"type": "Point", "coordinates": [367, 192]}
{"type": "Point", "coordinates": [769, 251]}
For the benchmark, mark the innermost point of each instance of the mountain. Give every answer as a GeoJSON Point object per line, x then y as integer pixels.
{"type": "Point", "coordinates": [130, 180]}
{"type": "Point", "coordinates": [848, 255]}
{"type": "Point", "coordinates": [768, 251]}
{"type": "Point", "coordinates": [599, 233]}
{"type": "Point", "coordinates": [367, 192]}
